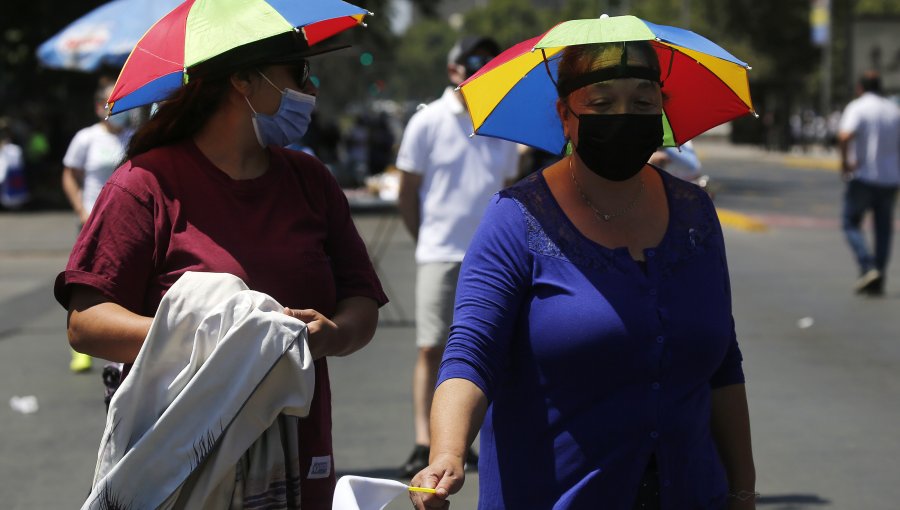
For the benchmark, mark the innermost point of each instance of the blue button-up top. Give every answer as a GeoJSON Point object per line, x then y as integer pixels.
{"type": "Point", "coordinates": [591, 363]}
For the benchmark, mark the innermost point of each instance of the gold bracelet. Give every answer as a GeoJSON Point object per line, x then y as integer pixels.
{"type": "Point", "coordinates": [743, 495]}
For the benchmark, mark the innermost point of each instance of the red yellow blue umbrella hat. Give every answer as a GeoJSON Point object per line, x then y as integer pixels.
{"type": "Point", "coordinates": [514, 96]}
{"type": "Point", "coordinates": [198, 33]}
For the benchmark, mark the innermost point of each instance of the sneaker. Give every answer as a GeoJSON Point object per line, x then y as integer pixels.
{"type": "Point", "coordinates": [876, 289]}
{"type": "Point", "coordinates": [471, 460]}
{"type": "Point", "coordinates": [870, 283]}
{"type": "Point", "coordinates": [418, 460]}
{"type": "Point", "coordinates": [80, 362]}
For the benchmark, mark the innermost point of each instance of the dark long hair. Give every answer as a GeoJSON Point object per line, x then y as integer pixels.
{"type": "Point", "coordinates": [181, 116]}
{"type": "Point", "coordinates": [191, 106]}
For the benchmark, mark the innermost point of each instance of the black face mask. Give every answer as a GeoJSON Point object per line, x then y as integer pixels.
{"type": "Point", "coordinates": [616, 147]}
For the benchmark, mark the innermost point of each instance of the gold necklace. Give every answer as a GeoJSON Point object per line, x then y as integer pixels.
{"type": "Point", "coordinates": [597, 213]}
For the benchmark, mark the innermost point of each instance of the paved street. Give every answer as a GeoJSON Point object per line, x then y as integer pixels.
{"type": "Point", "coordinates": [822, 364]}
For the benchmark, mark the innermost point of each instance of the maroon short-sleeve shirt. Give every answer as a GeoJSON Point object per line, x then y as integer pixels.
{"type": "Point", "coordinates": [288, 234]}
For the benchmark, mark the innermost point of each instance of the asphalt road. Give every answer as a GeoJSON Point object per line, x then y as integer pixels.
{"type": "Point", "coordinates": [822, 364]}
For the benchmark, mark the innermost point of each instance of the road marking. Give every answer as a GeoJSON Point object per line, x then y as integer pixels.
{"type": "Point", "coordinates": [830, 165]}
{"type": "Point", "coordinates": [749, 153]}
{"type": "Point", "coordinates": [740, 221]}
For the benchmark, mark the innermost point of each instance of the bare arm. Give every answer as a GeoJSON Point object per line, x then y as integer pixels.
{"type": "Point", "coordinates": [104, 329]}
{"type": "Point", "coordinates": [731, 431]}
{"type": "Point", "coordinates": [351, 328]}
{"type": "Point", "coordinates": [73, 184]}
{"type": "Point", "coordinates": [408, 202]}
{"type": "Point", "coordinates": [456, 415]}
{"type": "Point", "coordinates": [844, 139]}
{"type": "Point", "coordinates": [659, 158]}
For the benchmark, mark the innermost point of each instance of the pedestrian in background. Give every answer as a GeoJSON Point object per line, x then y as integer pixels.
{"type": "Point", "coordinates": [92, 156]}
{"type": "Point", "coordinates": [208, 187]}
{"type": "Point", "coordinates": [869, 140]}
{"type": "Point", "coordinates": [682, 161]}
{"type": "Point", "coordinates": [356, 143]}
{"type": "Point", "coordinates": [380, 144]}
{"type": "Point", "coordinates": [446, 183]}
{"type": "Point", "coordinates": [593, 340]}
{"type": "Point", "coordinates": [13, 187]}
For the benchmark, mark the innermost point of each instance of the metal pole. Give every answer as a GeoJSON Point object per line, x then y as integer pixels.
{"type": "Point", "coordinates": [825, 106]}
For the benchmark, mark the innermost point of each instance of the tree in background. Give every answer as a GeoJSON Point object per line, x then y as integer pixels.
{"type": "Point", "coordinates": [409, 68]}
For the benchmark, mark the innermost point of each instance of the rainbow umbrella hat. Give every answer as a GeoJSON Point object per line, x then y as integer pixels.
{"type": "Point", "coordinates": [513, 96]}
{"type": "Point", "coordinates": [201, 31]}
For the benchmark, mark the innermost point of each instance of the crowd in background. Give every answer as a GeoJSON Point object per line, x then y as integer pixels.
{"type": "Point", "coordinates": [355, 145]}
{"type": "Point", "coordinates": [808, 130]}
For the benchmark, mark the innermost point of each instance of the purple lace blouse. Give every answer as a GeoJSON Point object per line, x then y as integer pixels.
{"type": "Point", "coordinates": [592, 364]}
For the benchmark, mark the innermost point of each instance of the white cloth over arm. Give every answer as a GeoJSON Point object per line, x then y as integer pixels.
{"type": "Point", "coordinates": [219, 364]}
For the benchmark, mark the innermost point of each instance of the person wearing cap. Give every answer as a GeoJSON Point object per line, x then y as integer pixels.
{"type": "Point", "coordinates": [207, 186]}
{"type": "Point", "coordinates": [92, 155]}
{"type": "Point", "coordinates": [593, 341]}
{"type": "Point", "coordinates": [446, 182]}
{"type": "Point", "coordinates": [869, 141]}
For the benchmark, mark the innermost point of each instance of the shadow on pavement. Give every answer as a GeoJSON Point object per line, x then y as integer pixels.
{"type": "Point", "coordinates": [397, 323]}
{"type": "Point", "coordinates": [791, 501]}
{"type": "Point", "coordinates": [19, 309]}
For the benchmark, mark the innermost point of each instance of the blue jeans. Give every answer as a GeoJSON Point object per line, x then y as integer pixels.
{"type": "Point", "coordinates": [860, 197]}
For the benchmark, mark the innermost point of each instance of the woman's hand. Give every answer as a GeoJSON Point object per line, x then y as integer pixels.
{"type": "Point", "coordinates": [730, 421]}
{"type": "Point", "coordinates": [349, 330]}
{"type": "Point", "coordinates": [445, 474]}
{"type": "Point", "coordinates": [457, 412]}
{"type": "Point", "coordinates": [321, 330]}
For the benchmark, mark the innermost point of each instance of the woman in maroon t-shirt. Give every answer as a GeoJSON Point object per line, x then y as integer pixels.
{"type": "Point", "coordinates": [207, 187]}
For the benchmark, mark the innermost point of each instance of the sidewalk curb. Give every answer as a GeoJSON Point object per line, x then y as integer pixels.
{"type": "Point", "coordinates": [718, 150]}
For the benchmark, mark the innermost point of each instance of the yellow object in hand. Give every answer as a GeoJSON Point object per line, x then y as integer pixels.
{"type": "Point", "coordinates": [422, 489]}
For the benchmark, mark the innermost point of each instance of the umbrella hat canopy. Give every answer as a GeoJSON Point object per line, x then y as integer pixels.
{"type": "Point", "coordinates": [514, 96]}
{"type": "Point", "coordinates": [200, 32]}
{"type": "Point", "coordinates": [104, 36]}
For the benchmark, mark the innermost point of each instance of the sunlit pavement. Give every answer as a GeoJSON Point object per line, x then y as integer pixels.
{"type": "Point", "coordinates": [822, 364]}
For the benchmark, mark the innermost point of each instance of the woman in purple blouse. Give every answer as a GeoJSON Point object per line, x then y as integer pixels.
{"type": "Point", "coordinates": [593, 340]}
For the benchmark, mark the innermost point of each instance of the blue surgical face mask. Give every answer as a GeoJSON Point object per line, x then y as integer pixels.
{"type": "Point", "coordinates": [289, 123]}
{"type": "Point", "coordinates": [123, 120]}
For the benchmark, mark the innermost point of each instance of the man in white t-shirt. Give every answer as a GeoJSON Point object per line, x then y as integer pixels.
{"type": "Point", "coordinates": [446, 183]}
{"type": "Point", "coordinates": [869, 140]}
{"type": "Point", "coordinates": [93, 154]}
